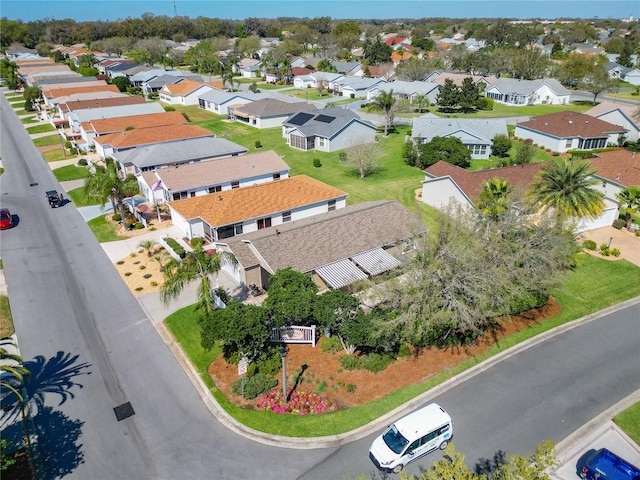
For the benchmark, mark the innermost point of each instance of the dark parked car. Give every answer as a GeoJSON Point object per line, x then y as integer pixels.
{"type": "Point", "coordinates": [5, 219]}
{"type": "Point", "coordinates": [55, 199]}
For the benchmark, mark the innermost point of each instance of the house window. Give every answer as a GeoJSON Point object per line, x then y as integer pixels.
{"type": "Point", "coordinates": [568, 143]}
{"type": "Point", "coordinates": [286, 216]}
{"type": "Point", "coordinates": [235, 184]}
{"type": "Point", "coordinates": [331, 205]}
{"type": "Point", "coordinates": [217, 188]}
{"type": "Point", "coordinates": [320, 142]}
{"type": "Point", "coordinates": [264, 223]}
{"type": "Point", "coordinates": [238, 228]}
{"type": "Point", "coordinates": [192, 194]}
{"type": "Point", "coordinates": [176, 196]}
{"type": "Point", "coordinates": [276, 176]}
{"type": "Point", "coordinates": [478, 149]}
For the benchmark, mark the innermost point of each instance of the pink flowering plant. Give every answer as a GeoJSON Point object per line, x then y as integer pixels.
{"type": "Point", "coordinates": [301, 402]}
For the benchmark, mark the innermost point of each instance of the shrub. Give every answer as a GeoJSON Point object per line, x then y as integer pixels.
{"type": "Point", "coordinates": [556, 154]}
{"type": "Point", "coordinates": [147, 275]}
{"type": "Point", "coordinates": [142, 267]}
{"type": "Point", "coordinates": [322, 387]}
{"type": "Point", "coordinates": [116, 217]}
{"type": "Point", "coordinates": [331, 345]}
{"type": "Point", "coordinates": [258, 144]}
{"type": "Point", "coordinates": [351, 388]}
{"type": "Point", "coordinates": [618, 223]}
{"type": "Point", "coordinates": [528, 301]}
{"type": "Point", "coordinates": [316, 163]}
{"type": "Point", "coordinates": [404, 351]}
{"type": "Point", "coordinates": [604, 250]}
{"type": "Point", "coordinates": [349, 362]}
{"type": "Point", "coordinates": [254, 385]}
{"type": "Point", "coordinates": [120, 262]}
{"type": "Point", "coordinates": [139, 225]}
{"type": "Point", "coordinates": [127, 274]}
{"type": "Point", "coordinates": [169, 108]}
{"type": "Point", "coordinates": [154, 284]}
{"type": "Point", "coordinates": [376, 362]}
{"type": "Point", "coordinates": [615, 252]}
{"type": "Point", "coordinates": [342, 157]}
{"type": "Point", "coordinates": [197, 242]}
{"type": "Point", "coordinates": [67, 144]}
{"type": "Point", "coordinates": [82, 162]}
{"type": "Point", "coordinates": [589, 244]}
{"type": "Point", "coordinates": [139, 289]}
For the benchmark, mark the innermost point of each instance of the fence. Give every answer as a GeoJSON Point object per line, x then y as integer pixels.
{"type": "Point", "coordinates": [294, 334]}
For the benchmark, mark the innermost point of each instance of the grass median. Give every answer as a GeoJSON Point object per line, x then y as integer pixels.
{"type": "Point", "coordinates": [579, 296]}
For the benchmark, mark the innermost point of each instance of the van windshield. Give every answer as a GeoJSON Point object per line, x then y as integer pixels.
{"type": "Point", "coordinates": [394, 439]}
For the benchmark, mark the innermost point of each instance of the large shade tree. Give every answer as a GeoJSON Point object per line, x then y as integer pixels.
{"type": "Point", "coordinates": [565, 188]}
{"type": "Point", "coordinates": [197, 265]}
{"type": "Point", "coordinates": [291, 298]}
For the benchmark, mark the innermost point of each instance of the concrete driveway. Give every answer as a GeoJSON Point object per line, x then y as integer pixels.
{"type": "Point", "coordinates": [626, 241]}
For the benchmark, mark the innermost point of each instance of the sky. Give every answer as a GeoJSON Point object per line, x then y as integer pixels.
{"type": "Point", "coordinates": [85, 10]}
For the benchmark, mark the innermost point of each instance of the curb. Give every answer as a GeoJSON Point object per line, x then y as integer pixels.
{"type": "Point", "coordinates": [340, 439]}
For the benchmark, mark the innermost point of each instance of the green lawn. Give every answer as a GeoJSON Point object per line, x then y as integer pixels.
{"type": "Point", "coordinates": [71, 172]}
{"type": "Point", "coordinates": [80, 199]}
{"type": "Point", "coordinates": [23, 112]}
{"type": "Point", "coordinates": [579, 296]}
{"type": "Point", "coordinates": [55, 155]}
{"type": "Point", "coordinates": [103, 230]}
{"type": "Point", "coordinates": [500, 110]}
{"type": "Point", "coordinates": [311, 94]}
{"type": "Point", "coordinates": [45, 127]}
{"type": "Point", "coordinates": [626, 95]}
{"type": "Point", "coordinates": [47, 141]}
{"type": "Point", "coordinates": [629, 422]}
{"type": "Point", "coordinates": [270, 86]}
{"type": "Point", "coordinates": [28, 120]}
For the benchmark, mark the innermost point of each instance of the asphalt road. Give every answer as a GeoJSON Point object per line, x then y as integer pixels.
{"type": "Point", "coordinates": [91, 348]}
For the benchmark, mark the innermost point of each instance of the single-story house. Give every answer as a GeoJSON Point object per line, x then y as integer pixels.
{"type": "Point", "coordinates": [403, 89]}
{"type": "Point", "coordinates": [107, 145]}
{"type": "Point", "coordinates": [77, 117]}
{"type": "Point", "coordinates": [327, 130]}
{"type": "Point", "coordinates": [511, 91]}
{"type": "Point", "coordinates": [314, 79]}
{"type": "Point", "coordinates": [346, 68]}
{"type": "Point", "coordinates": [183, 92]}
{"type": "Point", "coordinates": [626, 74]}
{"type": "Point", "coordinates": [248, 68]}
{"type": "Point", "coordinates": [54, 96]}
{"type": "Point", "coordinates": [233, 212]}
{"type": "Point", "coordinates": [367, 239]}
{"type": "Point", "coordinates": [446, 185]}
{"type": "Point", "coordinates": [475, 133]}
{"type": "Point", "coordinates": [176, 153]}
{"type": "Point", "coordinates": [440, 77]}
{"type": "Point", "coordinates": [64, 109]}
{"type": "Point", "coordinates": [266, 112]}
{"type": "Point", "coordinates": [564, 131]}
{"type": "Point", "coordinates": [616, 169]}
{"type": "Point", "coordinates": [105, 126]}
{"type": "Point", "coordinates": [618, 114]}
{"type": "Point", "coordinates": [218, 101]}
{"type": "Point", "coordinates": [212, 176]}
{"type": "Point", "coordinates": [355, 87]}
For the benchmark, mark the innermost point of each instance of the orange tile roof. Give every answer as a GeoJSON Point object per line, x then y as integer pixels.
{"type": "Point", "coordinates": [620, 166]}
{"type": "Point", "coordinates": [148, 136]}
{"type": "Point", "coordinates": [103, 102]}
{"type": "Point", "coordinates": [396, 57]}
{"type": "Point", "coordinates": [233, 206]}
{"type": "Point", "coordinates": [150, 120]}
{"type": "Point", "coordinates": [182, 88]}
{"type": "Point", "coordinates": [54, 67]}
{"type": "Point", "coordinates": [34, 61]}
{"type": "Point", "coordinates": [62, 92]}
{"type": "Point", "coordinates": [570, 124]}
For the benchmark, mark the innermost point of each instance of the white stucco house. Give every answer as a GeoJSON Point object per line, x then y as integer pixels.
{"type": "Point", "coordinates": [511, 91]}
{"type": "Point", "coordinates": [564, 131]}
{"type": "Point", "coordinates": [266, 112]}
{"type": "Point", "coordinates": [475, 133]}
{"type": "Point", "coordinates": [218, 101]}
{"type": "Point", "coordinates": [355, 87]}
{"type": "Point", "coordinates": [618, 114]}
{"type": "Point", "coordinates": [237, 211]}
{"type": "Point", "coordinates": [403, 89]}
{"type": "Point", "coordinates": [184, 92]}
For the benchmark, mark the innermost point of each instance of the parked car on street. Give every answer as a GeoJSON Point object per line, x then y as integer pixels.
{"type": "Point", "coordinates": [55, 199]}
{"type": "Point", "coordinates": [5, 219]}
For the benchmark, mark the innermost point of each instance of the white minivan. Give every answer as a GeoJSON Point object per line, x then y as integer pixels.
{"type": "Point", "coordinates": [411, 437]}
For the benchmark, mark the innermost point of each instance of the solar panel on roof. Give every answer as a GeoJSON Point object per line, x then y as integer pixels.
{"type": "Point", "coordinates": [325, 118]}
{"type": "Point", "coordinates": [300, 119]}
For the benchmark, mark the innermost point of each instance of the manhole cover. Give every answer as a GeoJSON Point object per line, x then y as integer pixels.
{"type": "Point", "coordinates": [124, 411]}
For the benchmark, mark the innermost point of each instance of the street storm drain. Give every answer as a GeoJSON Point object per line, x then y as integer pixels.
{"type": "Point", "coordinates": [124, 411]}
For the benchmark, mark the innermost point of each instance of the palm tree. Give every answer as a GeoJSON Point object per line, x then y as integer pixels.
{"type": "Point", "coordinates": [494, 198]}
{"type": "Point", "coordinates": [14, 382]}
{"type": "Point", "coordinates": [148, 246]}
{"type": "Point", "coordinates": [107, 184]}
{"type": "Point", "coordinates": [565, 187]}
{"type": "Point", "coordinates": [630, 198]}
{"type": "Point", "coordinates": [386, 102]}
{"type": "Point", "coordinates": [420, 100]}
{"type": "Point", "coordinates": [196, 265]}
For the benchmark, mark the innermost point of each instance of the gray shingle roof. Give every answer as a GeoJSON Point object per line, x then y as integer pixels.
{"type": "Point", "coordinates": [303, 245]}
{"type": "Point", "coordinates": [526, 87]}
{"type": "Point", "coordinates": [469, 130]}
{"type": "Point", "coordinates": [314, 127]}
{"type": "Point", "coordinates": [268, 107]}
{"type": "Point", "coordinates": [408, 88]}
{"type": "Point", "coordinates": [221, 97]}
{"type": "Point", "coordinates": [181, 151]}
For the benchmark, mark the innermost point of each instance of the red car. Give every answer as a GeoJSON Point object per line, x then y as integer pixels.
{"type": "Point", "coordinates": [5, 219]}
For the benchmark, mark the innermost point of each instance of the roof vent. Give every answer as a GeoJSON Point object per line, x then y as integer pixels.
{"type": "Point", "coordinates": [570, 121]}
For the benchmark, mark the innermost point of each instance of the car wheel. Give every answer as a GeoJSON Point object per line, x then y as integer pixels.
{"type": "Point", "coordinates": [398, 468]}
{"type": "Point", "coordinates": [443, 445]}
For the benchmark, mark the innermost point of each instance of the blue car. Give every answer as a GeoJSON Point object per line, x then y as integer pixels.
{"type": "Point", "coordinates": [605, 465]}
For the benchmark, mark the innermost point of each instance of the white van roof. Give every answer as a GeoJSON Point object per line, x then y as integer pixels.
{"type": "Point", "coordinates": [422, 421]}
